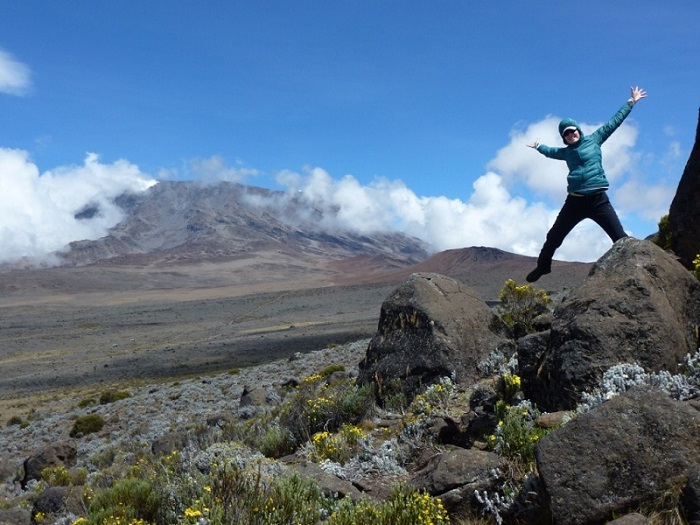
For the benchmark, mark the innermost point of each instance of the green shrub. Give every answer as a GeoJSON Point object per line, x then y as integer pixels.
{"type": "Point", "coordinates": [87, 425]}
{"type": "Point", "coordinates": [127, 501]}
{"type": "Point", "coordinates": [330, 369]}
{"type": "Point", "coordinates": [317, 404]}
{"type": "Point", "coordinates": [520, 305]}
{"type": "Point", "coordinates": [239, 496]}
{"type": "Point", "coordinates": [663, 237]}
{"type": "Point", "coordinates": [87, 402]}
{"type": "Point", "coordinates": [61, 476]}
{"type": "Point", "coordinates": [14, 420]}
{"type": "Point", "coordinates": [110, 396]}
{"type": "Point", "coordinates": [405, 507]}
{"type": "Point", "coordinates": [516, 435]}
{"type": "Point", "coordinates": [507, 386]}
{"type": "Point", "coordinates": [435, 400]}
{"type": "Point", "coordinates": [276, 442]}
{"type": "Point", "coordinates": [696, 266]}
{"type": "Point", "coordinates": [338, 447]}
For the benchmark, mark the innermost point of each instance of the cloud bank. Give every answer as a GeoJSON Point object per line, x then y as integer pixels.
{"type": "Point", "coordinates": [510, 207]}
{"type": "Point", "coordinates": [39, 210]}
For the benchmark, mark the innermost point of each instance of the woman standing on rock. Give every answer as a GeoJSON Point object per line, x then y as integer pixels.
{"type": "Point", "coordinates": [586, 183]}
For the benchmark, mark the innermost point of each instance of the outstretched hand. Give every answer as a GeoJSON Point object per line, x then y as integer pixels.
{"type": "Point", "coordinates": [637, 94]}
{"type": "Point", "coordinates": [534, 144]}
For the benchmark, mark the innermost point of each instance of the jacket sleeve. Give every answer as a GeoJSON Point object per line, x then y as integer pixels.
{"type": "Point", "coordinates": [603, 132]}
{"type": "Point", "coordinates": [552, 153]}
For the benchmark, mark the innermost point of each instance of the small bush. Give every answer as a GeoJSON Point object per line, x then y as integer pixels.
{"type": "Point", "coordinates": [663, 237]}
{"type": "Point", "coordinates": [516, 435]}
{"type": "Point", "coordinates": [435, 400]}
{"type": "Point", "coordinates": [87, 402]}
{"type": "Point", "coordinates": [87, 425]}
{"type": "Point", "coordinates": [318, 405]}
{"type": "Point", "coordinates": [61, 476]}
{"type": "Point", "coordinates": [696, 266]}
{"type": "Point", "coordinates": [14, 420]}
{"type": "Point", "coordinates": [338, 447]}
{"type": "Point", "coordinates": [128, 501]}
{"type": "Point", "coordinates": [507, 386]}
{"type": "Point", "coordinates": [276, 442]}
{"type": "Point", "coordinates": [520, 305]}
{"type": "Point", "coordinates": [405, 507]}
{"type": "Point", "coordinates": [331, 369]}
{"type": "Point", "coordinates": [110, 396]}
{"type": "Point", "coordinates": [240, 496]}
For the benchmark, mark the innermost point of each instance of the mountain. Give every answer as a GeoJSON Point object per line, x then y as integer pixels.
{"type": "Point", "coordinates": [186, 239]}
{"type": "Point", "coordinates": [176, 222]}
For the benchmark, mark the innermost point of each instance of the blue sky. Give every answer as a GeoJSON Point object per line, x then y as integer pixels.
{"type": "Point", "coordinates": [401, 114]}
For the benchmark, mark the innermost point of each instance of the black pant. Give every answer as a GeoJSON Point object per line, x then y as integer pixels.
{"type": "Point", "coordinates": [596, 207]}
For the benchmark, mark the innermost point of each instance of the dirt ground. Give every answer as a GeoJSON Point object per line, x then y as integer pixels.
{"type": "Point", "coordinates": [76, 328]}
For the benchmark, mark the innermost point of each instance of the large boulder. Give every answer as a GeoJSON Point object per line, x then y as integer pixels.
{"type": "Point", "coordinates": [638, 305]}
{"type": "Point", "coordinates": [684, 215]}
{"type": "Point", "coordinates": [626, 452]}
{"type": "Point", "coordinates": [430, 327]}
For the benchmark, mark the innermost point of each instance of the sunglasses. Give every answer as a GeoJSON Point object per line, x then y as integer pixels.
{"type": "Point", "coordinates": [569, 132]}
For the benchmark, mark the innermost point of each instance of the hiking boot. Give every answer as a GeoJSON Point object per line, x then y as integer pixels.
{"type": "Point", "coordinates": [537, 273]}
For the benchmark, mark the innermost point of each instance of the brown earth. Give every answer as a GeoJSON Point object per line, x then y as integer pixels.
{"type": "Point", "coordinates": [71, 328]}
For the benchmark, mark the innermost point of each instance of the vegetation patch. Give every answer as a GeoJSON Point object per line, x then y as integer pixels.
{"type": "Point", "coordinates": [87, 425]}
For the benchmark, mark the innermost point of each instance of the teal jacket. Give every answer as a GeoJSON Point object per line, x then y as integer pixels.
{"type": "Point", "coordinates": [585, 159]}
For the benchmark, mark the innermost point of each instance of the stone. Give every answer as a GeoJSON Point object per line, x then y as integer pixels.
{"type": "Point", "coordinates": [169, 443]}
{"type": "Point", "coordinates": [690, 500]}
{"type": "Point", "coordinates": [328, 483]}
{"type": "Point", "coordinates": [684, 214]}
{"type": "Point", "coordinates": [430, 327]}
{"type": "Point", "coordinates": [455, 475]}
{"type": "Point", "coordinates": [60, 454]}
{"type": "Point", "coordinates": [638, 305]}
{"type": "Point", "coordinates": [617, 456]}
{"type": "Point", "coordinates": [633, 518]}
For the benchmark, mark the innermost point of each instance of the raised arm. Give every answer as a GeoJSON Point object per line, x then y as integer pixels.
{"type": "Point", "coordinates": [603, 132]}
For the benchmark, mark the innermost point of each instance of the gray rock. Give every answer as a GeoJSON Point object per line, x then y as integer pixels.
{"type": "Point", "coordinates": [684, 214]}
{"type": "Point", "coordinates": [63, 453]}
{"type": "Point", "coordinates": [631, 519]}
{"type": "Point", "coordinates": [691, 498]}
{"type": "Point", "coordinates": [329, 483]}
{"type": "Point", "coordinates": [169, 443]}
{"type": "Point", "coordinates": [15, 516]}
{"type": "Point", "coordinates": [617, 456]}
{"type": "Point", "coordinates": [455, 475]}
{"type": "Point", "coordinates": [55, 501]}
{"type": "Point", "coordinates": [430, 327]}
{"type": "Point", "coordinates": [638, 305]}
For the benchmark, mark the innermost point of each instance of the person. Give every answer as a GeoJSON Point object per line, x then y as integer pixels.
{"type": "Point", "coordinates": [586, 183]}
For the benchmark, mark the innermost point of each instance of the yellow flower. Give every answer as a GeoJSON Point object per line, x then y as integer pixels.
{"type": "Point", "coordinates": [192, 513]}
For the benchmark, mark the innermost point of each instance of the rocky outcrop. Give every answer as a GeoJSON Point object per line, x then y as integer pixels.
{"type": "Point", "coordinates": [60, 454]}
{"type": "Point", "coordinates": [618, 456]}
{"type": "Point", "coordinates": [638, 305]}
{"type": "Point", "coordinates": [430, 327]}
{"type": "Point", "coordinates": [684, 214]}
{"type": "Point", "coordinates": [455, 476]}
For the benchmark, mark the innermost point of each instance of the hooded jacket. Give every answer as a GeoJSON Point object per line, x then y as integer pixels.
{"type": "Point", "coordinates": [585, 159]}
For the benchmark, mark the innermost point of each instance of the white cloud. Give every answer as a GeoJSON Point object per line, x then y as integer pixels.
{"type": "Point", "coordinates": [512, 206]}
{"type": "Point", "coordinates": [39, 209]}
{"type": "Point", "coordinates": [497, 213]}
{"type": "Point", "coordinates": [15, 77]}
{"type": "Point", "coordinates": [650, 201]}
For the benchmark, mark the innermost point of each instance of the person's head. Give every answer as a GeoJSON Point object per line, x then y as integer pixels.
{"type": "Point", "coordinates": [570, 131]}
